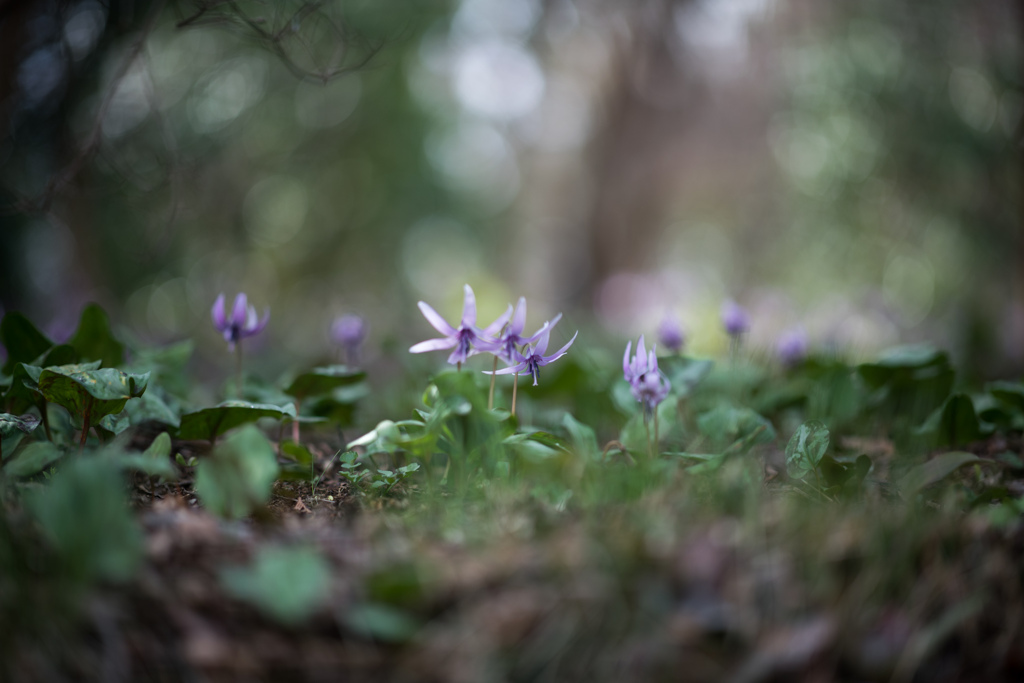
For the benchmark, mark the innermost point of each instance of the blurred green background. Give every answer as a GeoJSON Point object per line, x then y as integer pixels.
{"type": "Point", "coordinates": [851, 168]}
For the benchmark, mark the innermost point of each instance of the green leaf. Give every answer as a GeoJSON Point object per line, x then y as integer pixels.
{"type": "Point", "coordinates": [735, 429]}
{"type": "Point", "coordinates": [100, 392]}
{"type": "Point", "coordinates": [582, 438]}
{"type": "Point", "coordinates": [684, 373]}
{"type": "Point", "coordinates": [1010, 393]}
{"type": "Point", "coordinates": [167, 365]}
{"type": "Point", "coordinates": [24, 343]}
{"type": "Point", "coordinates": [9, 424]}
{"type": "Point", "coordinates": [287, 584]}
{"type": "Point", "coordinates": [154, 461]}
{"type": "Point", "coordinates": [239, 476]}
{"type": "Point", "coordinates": [806, 448]}
{"type": "Point", "coordinates": [93, 339]}
{"type": "Point", "coordinates": [323, 380]}
{"type": "Point", "coordinates": [209, 423]}
{"type": "Point", "coordinates": [297, 452]}
{"type": "Point", "coordinates": [935, 470]}
{"type": "Point", "coordinates": [152, 407]}
{"type": "Point", "coordinates": [32, 459]}
{"type": "Point", "coordinates": [85, 517]}
{"type": "Point", "coordinates": [381, 622]}
{"type": "Point", "coordinates": [959, 423]}
{"type": "Point", "coordinates": [112, 425]}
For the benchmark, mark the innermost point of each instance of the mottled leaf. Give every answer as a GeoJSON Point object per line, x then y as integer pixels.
{"type": "Point", "coordinates": [209, 423]}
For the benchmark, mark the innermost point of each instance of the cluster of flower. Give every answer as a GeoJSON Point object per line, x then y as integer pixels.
{"type": "Point", "coordinates": [348, 331]}
{"type": "Point", "coordinates": [503, 338]}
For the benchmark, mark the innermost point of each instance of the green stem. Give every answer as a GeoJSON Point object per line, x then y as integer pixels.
{"type": "Point", "coordinates": [490, 397]}
{"type": "Point", "coordinates": [657, 441]}
{"type": "Point", "coordinates": [44, 414]}
{"type": "Point", "coordinates": [85, 424]}
{"type": "Point", "coordinates": [295, 423]}
{"type": "Point", "coordinates": [238, 370]}
{"type": "Point", "coordinates": [515, 389]}
{"type": "Point", "coordinates": [650, 450]}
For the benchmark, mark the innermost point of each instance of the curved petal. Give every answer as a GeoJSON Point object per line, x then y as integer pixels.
{"type": "Point", "coordinates": [519, 319]}
{"type": "Point", "coordinates": [549, 325]}
{"type": "Point", "coordinates": [239, 310]}
{"type": "Point", "coordinates": [217, 313]}
{"type": "Point", "coordinates": [542, 342]}
{"type": "Point", "coordinates": [627, 367]}
{"type": "Point", "coordinates": [433, 345]}
{"type": "Point", "coordinates": [468, 307]}
{"type": "Point", "coordinates": [512, 369]}
{"type": "Point", "coordinates": [560, 352]}
{"type": "Point", "coordinates": [435, 319]}
{"type": "Point", "coordinates": [258, 327]}
{"type": "Point", "coordinates": [495, 327]}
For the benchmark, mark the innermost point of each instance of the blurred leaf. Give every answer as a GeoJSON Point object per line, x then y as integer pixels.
{"type": "Point", "coordinates": [208, 423]}
{"type": "Point", "coordinates": [151, 407]}
{"type": "Point", "coordinates": [32, 459]}
{"type": "Point", "coordinates": [935, 470]}
{"type": "Point", "coordinates": [297, 452]}
{"type": "Point", "coordinates": [100, 392]}
{"type": "Point", "coordinates": [24, 343]}
{"type": "Point", "coordinates": [93, 339]}
{"type": "Point", "coordinates": [287, 584]}
{"type": "Point", "coordinates": [910, 381]}
{"type": "Point", "coordinates": [9, 424]}
{"type": "Point", "coordinates": [806, 448]}
{"type": "Point", "coordinates": [380, 622]}
{"type": "Point", "coordinates": [735, 428]}
{"type": "Point", "coordinates": [112, 425]}
{"type": "Point", "coordinates": [582, 438]}
{"type": "Point", "coordinates": [1010, 393]}
{"type": "Point", "coordinates": [154, 461]}
{"type": "Point", "coordinates": [959, 423]}
{"type": "Point", "coordinates": [85, 516]}
{"type": "Point", "coordinates": [684, 373]}
{"type": "Point", "coordinates": [323, 380]}
{"type": "Point", "coordinates": [167, 365]}
{"type": "Point", "coordinates": [843, 473]}
{"type": "Point", "coordinates": [239, 476]}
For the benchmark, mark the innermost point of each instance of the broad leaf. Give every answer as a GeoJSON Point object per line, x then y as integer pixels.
{"type": "Point", "coordinates": [154, 461]}
{"type": "Point", "coordinates": [935, 470]}
{"type": "Point", "coordinates": [24, 343]}
{"type": "Point", "coordinates": [735, 429]}
{"type": "Point", "coordinates": [32, 459]}
{"type": "Point", "coordinates": [959, 423]}
{"type": "Point", "coordinates": [684, 373]}
{"type": "Point", "coordinates": [93, 339]}
{"type": "Point", "coordinates": [209, 423]}
{"type": "Point", "coordinates": [806, 448]}
{"type": "Point", "coordinates": [85, 517]}
{"type": "Point", "coordinates": [9, 424]}
{"type": "Point", "coordinates": [297, 453]}
{"type": "Point", "coordinates": [239, 476]}
{"type": "Point", "coordinates": [93, 392]}
{"type": "Point", "coordinates": [323, 380]}
{"type": "Point", "coordinates": [381, 622]}
{"type": "Point", "coordinates": [582, 438]}
{"type": "Point", "coordinates": [1010, 393]}
{"type": "Point", "coordinates": [287, 584]}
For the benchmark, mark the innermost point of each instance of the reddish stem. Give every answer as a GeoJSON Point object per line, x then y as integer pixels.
{"type": "Point", "coordinates": [85, 424]}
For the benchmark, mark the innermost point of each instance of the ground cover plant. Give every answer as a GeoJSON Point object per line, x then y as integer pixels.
{"type": "Point", "coordinates": [763, 516]}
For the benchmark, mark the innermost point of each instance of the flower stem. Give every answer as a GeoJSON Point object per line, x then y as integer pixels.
{"type": "Point", "coordinates": [657, 441]}
{"type": "Point", "coordinates": [490, 397]}
{"type": "Point", "coordinates": [238, 370]}
{"type": "Point", "coordinates": [295, 423]}
{"type": "Point", "coordinates": [458, 366]}
{"type": "Point", "coordinates": [85, 424]}
{"type": "Point", "coordinates": [515, 388]}
{"type": "Point", "coordinates": [650, 450]}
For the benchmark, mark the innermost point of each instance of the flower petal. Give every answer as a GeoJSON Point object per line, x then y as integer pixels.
{"type": "Point", "coordinates": [433, 345]}
{"type": "Point", "coordinates": [560, 352]}
{"type": "Point", "coordinates": [468, 307]}
{"type": "Point", "coordinates": [627, 367]}
{"type": "Point", "coordinates": [258, 327]}
{"type": "Point", "coordinates": [239, 310]}
{"type": "Point", "coordinates": [217, 313]}
{"type": "Point", "coordinates": [549, 325]}
{"type": "Point", "coordinates": [512, 369]}
{"type": "Point", "coordinates": [435, 319]}
{"type": "Point", "coordinates": [519, 319]}
{"type": "Point", "coordinates": [542, 342]}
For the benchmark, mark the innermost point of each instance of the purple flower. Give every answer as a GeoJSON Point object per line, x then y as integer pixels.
{"type": "Point", "coordinates": [467, 340]}
{"type": "Point", "coordinates": [670, 332]}
{"type": "Point", "coordinates": [647, 383]}
{"type": "Point", "coordinates": [792, 346]}
{"type": "Point", "coordinates": [511, 337]}
{"type": "Point", "coordinates": [348, 331]}
{"type": "Point", "coordinates": [533, 359]}
{"type": "Point", "coordinates": [242, 323]}
{"type": "Point", "coordinates": [735, 319]}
